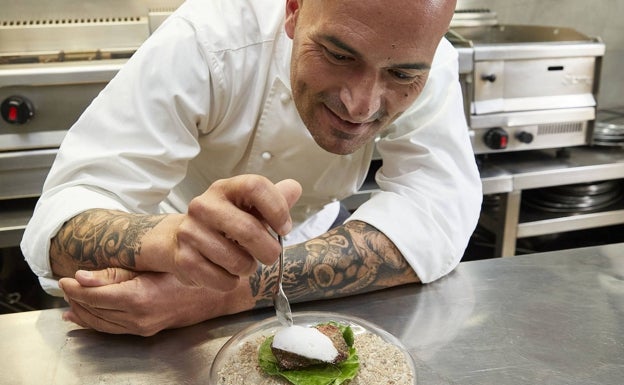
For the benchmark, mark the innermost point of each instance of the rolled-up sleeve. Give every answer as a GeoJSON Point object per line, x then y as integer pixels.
{"type": "Point", "coordinates": [430, 195]}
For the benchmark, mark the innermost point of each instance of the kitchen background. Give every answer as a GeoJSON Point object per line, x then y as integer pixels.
{"type": "Point", "coordinates": [601, 19]}
{"type": "Point", "coordinates": [20, 291]}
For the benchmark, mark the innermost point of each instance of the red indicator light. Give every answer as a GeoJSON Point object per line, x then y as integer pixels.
{"type": "Point", "coordinates": [12, 115]}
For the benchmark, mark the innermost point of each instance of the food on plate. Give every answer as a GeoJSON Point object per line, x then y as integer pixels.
{"type": "Point", "coordinates": [298, 347]}
{"type": "Point", "coordinates": [322, 354]}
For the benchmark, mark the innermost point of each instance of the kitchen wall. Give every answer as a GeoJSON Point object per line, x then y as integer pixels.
{"type": "Point", "coordinates": [603, 18]}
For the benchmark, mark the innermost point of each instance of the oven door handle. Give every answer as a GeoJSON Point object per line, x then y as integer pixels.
{"type": "Point", "coordinates": [61, 73]}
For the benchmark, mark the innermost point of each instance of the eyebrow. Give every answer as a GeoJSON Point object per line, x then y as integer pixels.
{"type": "Point", "coordinates": [347, 48]}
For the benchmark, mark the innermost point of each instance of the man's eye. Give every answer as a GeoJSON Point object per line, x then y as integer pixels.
{"type": "Point", "coordinates": [400, 75]}
{"type": "Point", "coordinates": [334, 56]}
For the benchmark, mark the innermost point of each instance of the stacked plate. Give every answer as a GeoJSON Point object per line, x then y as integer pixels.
{"type": "Point", "coordinates": [576, 198]}
{"type": "Point", "coordinates": [608, 134]}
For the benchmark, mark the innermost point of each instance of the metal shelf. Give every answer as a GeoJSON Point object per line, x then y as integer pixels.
{"type": "Point", "coordinates": [570, 223]}
{"type": "Point", "coordinates": [538, 169]}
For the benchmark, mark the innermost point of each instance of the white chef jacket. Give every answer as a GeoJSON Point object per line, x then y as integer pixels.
{"type": "Point", "coordinates": [208, 96]}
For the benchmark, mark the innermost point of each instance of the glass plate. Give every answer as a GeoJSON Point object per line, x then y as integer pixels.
{"type": "Point", "coordinates": [376, 364]}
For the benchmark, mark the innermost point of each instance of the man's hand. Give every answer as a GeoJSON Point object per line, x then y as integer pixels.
{"type": "Point", "coordinates": [225, 232]}
{"type": "Point", "coordinates": [120, 301]}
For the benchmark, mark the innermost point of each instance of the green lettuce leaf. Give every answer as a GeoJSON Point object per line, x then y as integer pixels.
{"type": "Point", "coordinates": [329, 374]}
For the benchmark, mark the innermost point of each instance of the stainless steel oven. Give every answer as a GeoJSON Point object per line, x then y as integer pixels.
{"type": "Point", "coordinates": [55, 57]}
{"type": "Point", "coordinates": [526, 87]}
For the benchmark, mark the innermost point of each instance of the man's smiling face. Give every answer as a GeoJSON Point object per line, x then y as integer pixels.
{"type": "Point", "coordinates": [357, 65]}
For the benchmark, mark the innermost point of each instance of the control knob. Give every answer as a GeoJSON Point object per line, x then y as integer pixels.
{"type": "Point", "coordinates": [496, 138]}
{"type": "Point", "coordinates": [16, 110]}
{"type": "Point", "coordinates": [489, 77]}
{"type": "Point", "coordinates": [524, 137]}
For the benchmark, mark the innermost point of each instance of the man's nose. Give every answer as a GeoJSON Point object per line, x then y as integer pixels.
{"type": "Point", "coordinates": [362, 96]}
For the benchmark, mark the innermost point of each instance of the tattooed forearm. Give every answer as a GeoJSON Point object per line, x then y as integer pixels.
{"type": "Point", "coordinates": [98, 239]}
{"type": "Point", "coordinates": [350, 259]}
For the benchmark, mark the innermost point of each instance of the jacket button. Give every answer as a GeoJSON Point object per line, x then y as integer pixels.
{"type": "Point", "coordinates": [266, 155]}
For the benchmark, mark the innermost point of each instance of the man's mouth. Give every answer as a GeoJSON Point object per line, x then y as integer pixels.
{"type": "Point", "coordinates": [347, 127]}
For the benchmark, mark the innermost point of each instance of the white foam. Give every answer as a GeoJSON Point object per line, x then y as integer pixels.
{"type": "Point", "coordinates": [307, 342]}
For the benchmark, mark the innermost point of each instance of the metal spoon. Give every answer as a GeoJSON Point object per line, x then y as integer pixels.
{"type": "Point", "coordinates": [280, 301]}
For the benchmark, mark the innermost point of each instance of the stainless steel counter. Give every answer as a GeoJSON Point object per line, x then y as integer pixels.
{"type": "Point", "coordinates": [550, 318]}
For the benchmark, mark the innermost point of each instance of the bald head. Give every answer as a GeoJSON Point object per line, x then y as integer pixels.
{"type": "Point", "coordinates": [423, 22]}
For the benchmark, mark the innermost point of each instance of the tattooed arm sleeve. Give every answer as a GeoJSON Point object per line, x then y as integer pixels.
{"type": "Point", "coordinates": [350, 259]}
{"type": "Point", "coordinates": [97, 239]}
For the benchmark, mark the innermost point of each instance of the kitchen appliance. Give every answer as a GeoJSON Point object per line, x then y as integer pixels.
{"type": "Point", "coordinates": [525, 87]}
{"type": "Point", "coordinates": [55, 57]}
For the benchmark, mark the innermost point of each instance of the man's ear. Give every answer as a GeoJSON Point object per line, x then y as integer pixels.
{"type": "Point", "coordinates": [292, 12]}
